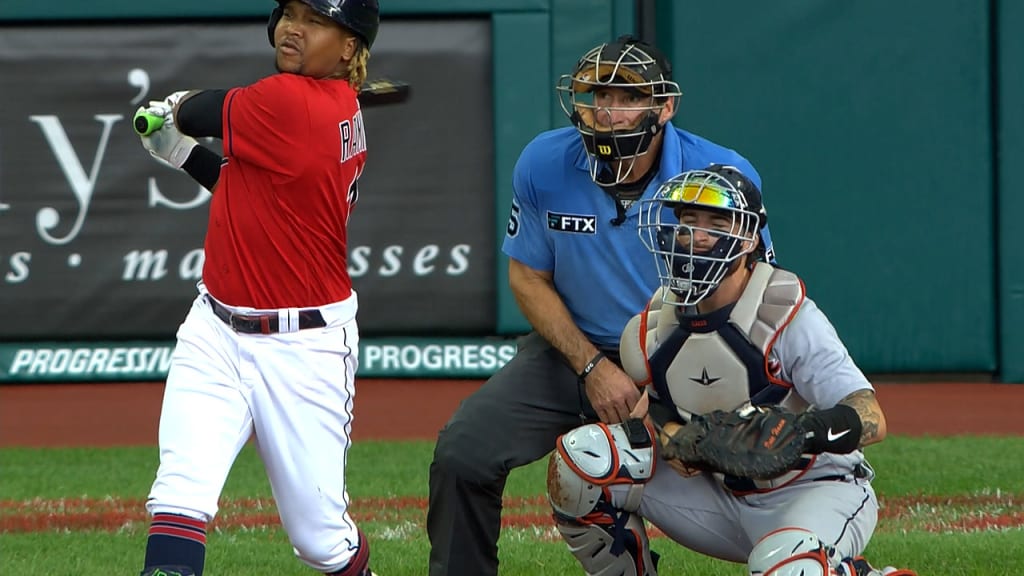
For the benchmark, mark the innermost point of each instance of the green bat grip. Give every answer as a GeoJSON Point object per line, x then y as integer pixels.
{"type": "Point", "coordinates": [146, 123]}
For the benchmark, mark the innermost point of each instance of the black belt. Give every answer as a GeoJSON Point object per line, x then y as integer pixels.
{"type": "Point", "coordinates": [860, 472]}
{"type": "Point", "coordinates": [265, 323]}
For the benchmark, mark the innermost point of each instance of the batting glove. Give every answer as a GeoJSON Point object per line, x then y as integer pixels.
{"type": "Point", "coordinates": [167, 145]}
{"type": "Point", "coordinates": [165, 108]}
{"type": "Point", "coordinates": [175, 97]}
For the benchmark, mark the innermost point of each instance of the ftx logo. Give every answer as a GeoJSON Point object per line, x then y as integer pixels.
{"type": "Point", "coordinates": [580, 224]}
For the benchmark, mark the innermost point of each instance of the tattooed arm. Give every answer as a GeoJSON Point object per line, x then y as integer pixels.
{"type": "Point", "coordinates": [871, 417]}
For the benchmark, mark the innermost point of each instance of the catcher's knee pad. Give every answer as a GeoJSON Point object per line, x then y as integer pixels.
{"type": "Point", "coordinates": [790, 552]}
{"type": "Point", "coordinates": [607, 545]}
{"type": "Point", "coordinates": [590, 458]}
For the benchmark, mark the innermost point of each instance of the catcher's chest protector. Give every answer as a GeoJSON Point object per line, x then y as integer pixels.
{"type": "Point", "coordinates": [700, 369]}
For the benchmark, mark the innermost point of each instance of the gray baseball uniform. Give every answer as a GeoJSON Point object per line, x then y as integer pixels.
{"type": "Point", "coordinates": [724, 517]}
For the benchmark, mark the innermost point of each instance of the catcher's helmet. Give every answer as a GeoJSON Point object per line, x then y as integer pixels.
{"type": "Point", "coordinates": [630, 64]}
{"type": "Point", "coordinates": [360, 16]}
{"type": "Point", "coordinates": [691, 274]}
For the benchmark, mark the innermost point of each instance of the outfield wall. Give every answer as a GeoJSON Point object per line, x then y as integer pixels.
{"type": "Point", "coordinates": [885, 145]}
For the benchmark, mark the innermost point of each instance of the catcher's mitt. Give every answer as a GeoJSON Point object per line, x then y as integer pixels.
{"type": "Point", "coordinates": [753, 442]}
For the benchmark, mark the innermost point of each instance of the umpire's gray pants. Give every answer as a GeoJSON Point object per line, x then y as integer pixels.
{"type": "Point", "coordinates": [512, 420]}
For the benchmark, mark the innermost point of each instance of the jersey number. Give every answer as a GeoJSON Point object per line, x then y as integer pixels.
{"type": "Point", "coordinates": [353, 193]}
{"type": "Point", "coordinates": [513, 220]}
{"type": "Point", "coordinates": [353, 189]}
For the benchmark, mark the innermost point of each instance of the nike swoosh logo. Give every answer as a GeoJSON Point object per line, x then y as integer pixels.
{"type": "Point", "coordinates": [833, 437]}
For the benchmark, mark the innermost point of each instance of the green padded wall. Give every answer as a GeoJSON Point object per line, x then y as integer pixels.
{"type": "Point", "coordinates": [120, 9]}
{"type": "Point", "coordinates": [1011, 190]}
{"type": "Point", "coordinates": [869, 124]}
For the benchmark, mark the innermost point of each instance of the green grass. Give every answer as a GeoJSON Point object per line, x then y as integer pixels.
{"type": "Point", "coordinates": [949, 481]}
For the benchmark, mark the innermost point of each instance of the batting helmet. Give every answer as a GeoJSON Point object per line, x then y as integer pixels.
{"type": "Point", "coordinates": [690, 273]}
{"type": "Point", "coordinates": [362, 17]}
{"type": "Point", "coordinates": [630, 64]}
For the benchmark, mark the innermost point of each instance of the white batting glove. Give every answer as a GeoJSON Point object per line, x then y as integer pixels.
{"type": "Point", "coordinates": [175, 97]}
{"type": "Point", "coordinates": [167, 145]}
{"type": "Point", "coordinates": [165, 108]}
{"type": "Point", "coordinates": [162, 109]}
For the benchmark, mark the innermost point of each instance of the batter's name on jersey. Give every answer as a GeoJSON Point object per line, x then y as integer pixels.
{"type": "Point", "coordinates": [576, 223]}
{"type": "Point", "coordinates": [353, 138]}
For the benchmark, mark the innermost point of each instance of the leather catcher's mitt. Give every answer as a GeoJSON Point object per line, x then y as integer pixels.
{"type": "Point", "coordinates": [753, 442]}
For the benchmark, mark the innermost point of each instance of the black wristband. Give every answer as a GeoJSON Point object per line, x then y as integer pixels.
{"type": "Point", "coordinates": [200, 115]}
{"type": "Point", "coordinates": [203, 165]}
{"type": "Point", "coordinates": [591, 365]}
{"type": "Point", "coordinates": [836, 430]}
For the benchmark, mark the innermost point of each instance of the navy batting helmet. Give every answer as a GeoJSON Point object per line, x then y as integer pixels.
{"type": "Point", "coordinates": [690, 272]}
{"type": "Point", "coordinates": [362, 17]}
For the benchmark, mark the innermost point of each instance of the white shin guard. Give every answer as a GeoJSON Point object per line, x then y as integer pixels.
{"type": "Point", "coordinates": [789, 552]}
{"type": "Point", "coordinates": [607, 541]}
{"type": "Point", "coordinates": [595, 546]}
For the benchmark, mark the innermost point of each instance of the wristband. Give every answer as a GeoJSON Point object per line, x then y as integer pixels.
{"type": "Point", "coordinates": [203, 165]}
{"type": "Point", "coordinates": [591, 365]}
{"type": "Point", "coordinates": [836, 430]}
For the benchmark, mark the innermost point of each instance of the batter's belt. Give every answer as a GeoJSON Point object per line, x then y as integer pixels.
{"type": "Point", "coordinates": [265, 322]}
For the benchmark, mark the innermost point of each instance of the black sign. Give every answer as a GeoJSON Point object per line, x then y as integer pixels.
{"type": "Point", "coordinates": [98, 240]}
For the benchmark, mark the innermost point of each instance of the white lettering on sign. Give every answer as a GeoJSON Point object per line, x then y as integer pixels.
{"type": "Point", "coordinates": [98, 361]}
{"type": "Point", "coordinates": [435, 357]}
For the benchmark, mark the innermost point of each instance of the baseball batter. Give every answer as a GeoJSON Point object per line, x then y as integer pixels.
{"type": "Point", "coordinates": [269, 349]}
{"type": "Point", "coordinates": [725, 330]}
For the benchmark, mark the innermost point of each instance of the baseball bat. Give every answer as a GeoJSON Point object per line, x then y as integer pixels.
{"type": "Point", "coordinates": [376, 92]}
{"type": "Point", "coordinates": [146, 123]}
{"type": "Point", "coordinates": [381, 91]}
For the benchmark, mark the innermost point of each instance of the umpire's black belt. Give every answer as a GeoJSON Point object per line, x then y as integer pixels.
{"type": "Point", "coordinates": [263, 323]}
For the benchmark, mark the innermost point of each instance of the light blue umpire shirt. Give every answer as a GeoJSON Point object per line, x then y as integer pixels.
{"type": "Point", "coordinates": [560, 222]}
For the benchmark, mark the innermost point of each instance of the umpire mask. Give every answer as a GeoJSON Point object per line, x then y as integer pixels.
{"type": "Point", "coordinates": [646, 77]}
{"type": "Point", "coordinates": [669, 229]}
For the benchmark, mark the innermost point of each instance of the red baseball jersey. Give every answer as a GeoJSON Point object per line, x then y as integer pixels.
{"type": "Point", "coordinates": [277, 238]}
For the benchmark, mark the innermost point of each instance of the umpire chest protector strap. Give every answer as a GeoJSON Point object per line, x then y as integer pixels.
{"type": "Point", "coordinates": [717, 361]}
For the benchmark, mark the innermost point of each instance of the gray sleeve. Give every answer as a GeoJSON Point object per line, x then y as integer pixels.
{"type": "Point", "coordinates": [815, 361]}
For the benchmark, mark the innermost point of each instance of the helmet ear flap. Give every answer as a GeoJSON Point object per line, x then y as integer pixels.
{"type": "Point", "coordinates": [275, 16]}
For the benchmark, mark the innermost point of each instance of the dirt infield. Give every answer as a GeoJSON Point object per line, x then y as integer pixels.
{"type": "Point", "coordinates": [966, 513]}
{"type": "Point", "coordinates": [128, 413]}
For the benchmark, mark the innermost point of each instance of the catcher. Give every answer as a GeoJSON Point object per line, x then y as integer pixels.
{"type": "Point", "coordinates": [757, 414]}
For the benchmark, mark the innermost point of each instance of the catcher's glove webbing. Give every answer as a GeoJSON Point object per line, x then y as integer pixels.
{"type": "Point", "coordinates": [752, 442]}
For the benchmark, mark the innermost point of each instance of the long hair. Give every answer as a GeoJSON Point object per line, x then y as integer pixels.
{"type": "Point", "coordinates": [357, 66]}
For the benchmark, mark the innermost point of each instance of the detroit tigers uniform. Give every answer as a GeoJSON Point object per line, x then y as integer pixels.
{"type": "Point", "coordinates": [701, 370]}
{"type": "Point", "coordinates": [269, 349]}
{"type": "Point", "coordinates": [560, 222]}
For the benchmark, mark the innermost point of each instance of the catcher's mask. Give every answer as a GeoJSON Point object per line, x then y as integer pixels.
{"type": "Point", "coordinates": [627, 64]}
{"type": "Point", "coordinates": [668, 228]}
{"type": "Point", "coordinates": [362, 17]}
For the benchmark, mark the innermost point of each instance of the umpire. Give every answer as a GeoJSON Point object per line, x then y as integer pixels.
{"type": "Point", "coordinates": [579, 272]}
